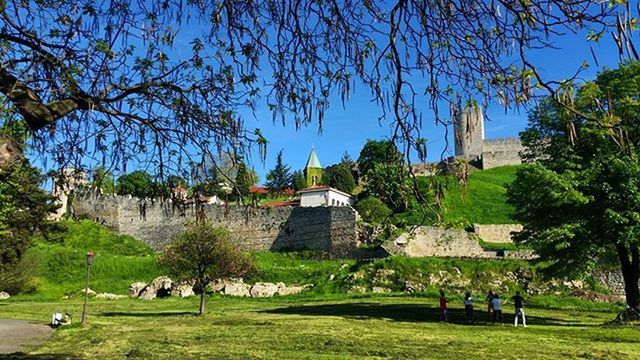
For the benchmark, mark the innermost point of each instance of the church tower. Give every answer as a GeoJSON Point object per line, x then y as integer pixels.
{"type": "Point", "coordinates": [313, 170]}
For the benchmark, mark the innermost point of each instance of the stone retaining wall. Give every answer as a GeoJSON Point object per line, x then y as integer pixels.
{"type": "Point", "coordinates": [496, 233]}
{"type": "Point", "coordinates": [433, 241]}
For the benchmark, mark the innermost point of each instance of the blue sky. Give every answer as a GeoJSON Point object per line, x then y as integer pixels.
{"type": "Point", "coordinates": [347, 128]}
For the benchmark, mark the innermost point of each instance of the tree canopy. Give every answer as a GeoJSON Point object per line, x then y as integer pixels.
{"type": "Point", "coordinates": [140, 184]}
{"type": "Point", "coordinates": [103, 81]}
{"type": "Point", "coordinates": [580, 203]}
{"type": "Point", "coordinates": [377, 152]}
{"type": "Point", "coordinates": [340, 177]}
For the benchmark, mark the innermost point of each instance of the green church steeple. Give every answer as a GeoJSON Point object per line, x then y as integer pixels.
{"type": "Point", "coordinates": [313, 170]}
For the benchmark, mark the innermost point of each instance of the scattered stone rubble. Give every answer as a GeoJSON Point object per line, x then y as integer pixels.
{"type": "Point", "coordinates": [163, 286]}
{"type": "Point", "coordinates": [4, 295]}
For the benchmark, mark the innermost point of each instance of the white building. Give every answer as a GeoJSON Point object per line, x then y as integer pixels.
{"type": "Point", "coordinates": [324, 196]}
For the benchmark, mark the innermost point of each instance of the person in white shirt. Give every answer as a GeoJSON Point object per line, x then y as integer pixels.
{"type": "Point", "coordinates": [468, 306]}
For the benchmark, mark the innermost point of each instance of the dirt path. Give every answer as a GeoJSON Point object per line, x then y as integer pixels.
{"type": "Point", "coordinates": [16, 334]}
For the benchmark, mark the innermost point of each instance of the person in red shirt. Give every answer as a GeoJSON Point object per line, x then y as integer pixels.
{"type": "Point", "coordinates": [444, 314]}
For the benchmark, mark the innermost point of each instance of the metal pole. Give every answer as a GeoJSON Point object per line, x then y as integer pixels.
{"type": "Point", "coordinates": [86, 290]}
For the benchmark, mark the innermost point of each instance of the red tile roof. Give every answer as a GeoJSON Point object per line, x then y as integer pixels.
{"type": "Point", "coordinates": [261, 190]}
{"type": "Point", "coordinates": [317, 187]}
{"type": "Point", "coordinates": [283, 203]}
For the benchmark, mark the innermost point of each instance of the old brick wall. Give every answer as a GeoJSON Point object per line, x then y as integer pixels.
{"type": "Point", "coordinates": [157, 222]}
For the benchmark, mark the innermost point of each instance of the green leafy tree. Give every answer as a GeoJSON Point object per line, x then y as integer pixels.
{"type": "Point", "coordinates": [138, 184]}
{"type": "Point", "coordinates": [202, 254]}
{"type": "Point", "coordinates": [580, 203]}
{"type": "Point", "coordinates": [372, 210]}
{"type": "Point", "coordinates": [377, 152]}
{"type": "Point", "coordinates": [390, 183]}
{"type": "Point", "coordinates": [24, 211]}
{"type": "Point", "coordinates": [103, 180]}
{"type": "Point", "coordinates": [253, 177]}
{"type": "Point", "coordinates": [174, 181]}
{"type": "Point", "coordinates": [341, 178]}
{"type": "Point", "coordinates": [279, 178]}
{"type": "Point", "coordinates": [298, 180]}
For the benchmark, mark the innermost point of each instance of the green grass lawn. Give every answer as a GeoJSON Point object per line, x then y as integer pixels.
{"type": "Point", "coordinates": [313, 328]}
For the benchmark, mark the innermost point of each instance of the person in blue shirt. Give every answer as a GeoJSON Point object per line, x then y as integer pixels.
{"type": "Point", "coordinates": [496, 306]}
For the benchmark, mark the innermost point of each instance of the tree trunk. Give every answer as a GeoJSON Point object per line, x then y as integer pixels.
{"type": "Point", "coordinates": [630, 266]}
{"type": "Point", "coordinates": [202, 300]}
{"type": "Point", "coordinates": [10, 151]}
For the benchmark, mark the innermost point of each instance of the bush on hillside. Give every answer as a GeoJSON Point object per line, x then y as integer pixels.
{"type": "Point", "coordinates": [20, 278]}
{"type": "Point", "coordinates": [373, 210]}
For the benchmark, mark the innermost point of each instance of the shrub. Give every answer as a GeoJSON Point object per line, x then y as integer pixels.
{"type": "Point", "coordinates": [372, 210]}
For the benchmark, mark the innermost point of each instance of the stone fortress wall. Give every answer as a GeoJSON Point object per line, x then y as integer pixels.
{"type": "Point", "coordinates": [471, 146]}
{"type": "Point", "coordinates": [500, 152]}
{"type": "Point", "coordinates": [330, 229]}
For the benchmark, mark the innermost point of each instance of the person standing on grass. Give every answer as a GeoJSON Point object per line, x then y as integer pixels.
{"type": "Point", "coordinates": [468, 306]}
{"type": "Point", "coordinates": [517, 303]}
{"type": "Point", "coordinates": [496, 306]}
{"type": "Point", "coordinates": [489, 305]}
{"type": "Point", "coordinates": [444, 313]}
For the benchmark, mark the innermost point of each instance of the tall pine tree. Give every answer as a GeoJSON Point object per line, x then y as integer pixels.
{"type": "Point", "coordinates": [242, 181]}
{"type": "Point", "coordinates": [279, 178]}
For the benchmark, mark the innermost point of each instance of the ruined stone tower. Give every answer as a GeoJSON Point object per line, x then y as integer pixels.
{"type": "Point", "coordinates": [468, 128]}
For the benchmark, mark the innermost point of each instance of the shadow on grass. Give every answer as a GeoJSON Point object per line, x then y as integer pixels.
{"type": "Point", "coordinates": [23, 356]}
{"type": "Point", "coordinates": [149, 314]}
{"type": "Point", "coordinates": [408, 313]}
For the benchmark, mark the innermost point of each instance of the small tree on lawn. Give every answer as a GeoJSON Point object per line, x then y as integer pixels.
{"type": "Point", "coordinates": [205, 253]}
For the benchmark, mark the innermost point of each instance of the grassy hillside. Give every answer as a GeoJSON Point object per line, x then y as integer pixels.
{"type": "Point", "coordinates": [482, 201]}
{"type": "Point", "coordinates": [60, 267]}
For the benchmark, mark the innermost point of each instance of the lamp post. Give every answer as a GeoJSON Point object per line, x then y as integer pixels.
{"type": "Point", "coordinates": [86, 288]}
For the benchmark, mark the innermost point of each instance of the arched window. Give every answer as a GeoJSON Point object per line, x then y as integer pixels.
{"type": "Point", "coordinates": [333, 202]}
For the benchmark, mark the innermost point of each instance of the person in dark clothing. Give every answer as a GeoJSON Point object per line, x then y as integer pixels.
{"type": "Point", "coordinates": [468, 307]}
{"type": "Point", "coordinates": [488, 301]}
{"type": "Point", "coordinates": [444, 313]}
{"type": "Point", "coordinates": [517, 303]}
